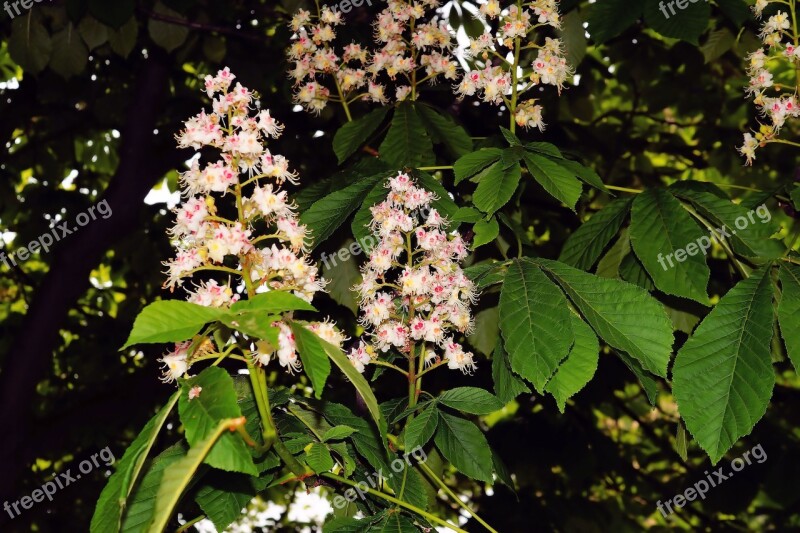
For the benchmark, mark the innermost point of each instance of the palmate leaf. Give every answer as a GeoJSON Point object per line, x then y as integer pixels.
{"type": "Point", "coordinates": [472, 163]}
{"type": "Point", "coordinates": [585, 245]}
{"type": "Point", "coordinates": [142, 502]}
{"type": "Point", "coordinates": [223, 497]}
{"type": "Point", "coordinates": [507, 385]}
{"type": "Point", "coordinates": [272, 302]}
{"type": "Point", "coordinates": [114, 498]}
{"type": "Point", "coordinates": [177, 476]}
{"type": "Point", "coordinates": [361, 385]}
{"type": "Point", "coordinates": [171, 321]}
{"type": "Point", "coordinates": [660, 226]}
{"type": "Point", "coordinates": [464, 445]}
{"type": "Point", "coordinates": [315, 360]}
{"type": "Point", "coordinates": [473, 400]}
{"type": "Point", "coordinates": [352, 135]}
{"type": "Point", "coordinates": [557, 180]}
{"type": "Point", "coordinates": [407, 143]}
{"type": "Point", "coordinates": [751, 240]}
{"type": "Point", "coordinates": [496, 186]}
{"type": "Point", "coordinates": [444, 130]}
{"type": "Point", "coordinates": [723, 377]}
{"type": "Point", "coordinates": [326, 215]}
{"type": "Point", "coordinates": [579, 366]}
{"type": "Point", "coordinates": [420, 430]}
{"type": "Point", "coordinates": [789, 312]}
{"type": "Point", "coordinates": [623, 315]}
{"type": "Point", "coordinates": [201, 415]}
{"type": "Point", "coordinates": [535, 323]}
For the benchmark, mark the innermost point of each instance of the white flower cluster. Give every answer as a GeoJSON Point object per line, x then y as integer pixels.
{"type": "Point", "coordinates": [408, 38]}
{"type": "Point", "coordinates": [775, 101]}
{"type": "Point", "coordinates": [414, 293]}
{"type": "Point", "coordinates": [493, 83]}
{"type": "Point", "coordinates": [206, 241]}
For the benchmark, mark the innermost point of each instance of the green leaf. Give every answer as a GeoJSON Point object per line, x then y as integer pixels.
{"type": "Point", "coordinates": [646, 380]}
{"type": "Point", "coordinates": [473, 400]}
{"type": "Point", "coordinates": [736, 10]}
{"type": "Point", "coordinates": [789, 311]}
{"type": "Point", "coordinates": [30, 45]}
{"type": "Point", "coordinates": [361, 385]}
{"type": "Point", "coordinates": [611, 263]}
{"type": "Point", "coordinates": [443, 203]}
{"type": "Point", "coordinates": [393, 523]}
{"type": "Point", "coordinates": [585, 245]}
{"type": "Point", "coordinates": [93, 32]}
{"type": "Point", "coordinates": [507, 385]}
{"type": "Point", "coordinates": [486, 231]}
{"type": "Point", "coordinates": [463, 444]}
{"type": "Point", "coordinates": [123, 41]}
{"type": "Point", "coordinates": [362, 218]}
{"type": "Point", "coordinates": [319, 458]}
{"type": "Point", "coordinates": [623, 315]}
{"type": "Point", "coordinates": [177, 476]}
{"type": "Point", "coordinates": [420, 430]}
{"type": "Point", "coordinates": [272, 302]}
{"type": "Point", "coordinates": [586, 174]}
{"type": "Point", "coordinates": [719, 42]}
{"type": "Point", "coordinates": [557, 180]}
{"type": "Point", "coordinates": [681, 444]}
{"type": "Point", "coordinates": [470, 164]}
{"type": "Point", "coordinates": [535, 323]}
{"type": "Point", "coordinates": [486, 331]}
{"type": "Point", "coordinates": [353, 135]}
{"type": "Point", "coordinates": [579, 367]}
{"type": "Point", "coordinates": [142, 502]}
{"type": "Point", "coordinates": [367, 440]}
{"type": "Point", "coordinates": [444, 130]}
{"type": "Point", "coordinates": [795, 196]}
{"type": "Point", "coordinates": [750, 240]}
{"type": "Point", "coordinates": [256, 325]}
{"type": "Point", "coordinates": [338, 433]}
{"type": "Point", "coordinates": [171, 321]}
{"type": "Point", "coordinates": [407, 144]}
{"type": "Point", "coordinates": [327, 214]}
{"type": "Point", "coordinates": [510, 138]}
{"type": "Point", "coordinates": [723, 377]}
{"type": "Point", "coordinates": [114, 498]}
{"type": "Point", "coordinates": [223, 498]}
{"type": "Point", "coordinates": [497, 186]}
{"type": "Point", "coordinates": [609, 18]}
{"type": "Point", "coordinates": [69, 55]}
{"type": "Point", "coordinates": [686, 24]}
{"type": "Point", "coordinates": [167, 35]}
{"type": "Point", "coordinates": [200, 416]}
{"type": "Point", "coordinates": [660, 230]}
{"type": "Point", "coordinates": [573, 36]}
{"type": "Point", "coordinates": [343, 275]}
{"type": "Point", "coordinates": [409, 485]}
{"type": "Point", "coordinates": [314, 357]}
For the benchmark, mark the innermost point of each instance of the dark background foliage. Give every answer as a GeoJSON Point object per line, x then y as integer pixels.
{"type": "Point", "coordinates": [83, 125]}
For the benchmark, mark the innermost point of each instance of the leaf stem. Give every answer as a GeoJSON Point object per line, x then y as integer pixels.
{"type": "Point", "coordinates": [405, 505]}
{"type": "Point", "coordinates": [432, 475]}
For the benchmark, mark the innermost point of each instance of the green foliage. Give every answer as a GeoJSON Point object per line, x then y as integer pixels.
{"type": "Point", "coordinates": [202, 415]}
{"type": "Point", "coordinates": [723, 377]}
